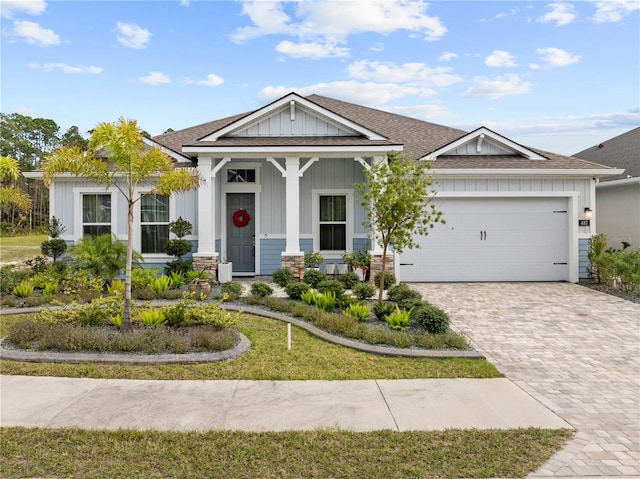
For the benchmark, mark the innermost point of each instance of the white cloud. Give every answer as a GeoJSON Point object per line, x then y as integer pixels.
{"type": "Point", "coordinates": [133, 36]}
{"type": "Point", "coordinates": [154, 78]}
{"type": "Point", "coordinates": [212, 80]}
{"type": "Point", "coordinates": [47, 67]}
{"type": "Point", "coordinates": [33, 33]}
{"type": "Point", "coordinates": [311, 50]}
{"type": "Point", "coordinates": [614, 10]}
{"type": "Point", "coordinates": [447, 56]}
{"type": "Point", "coordinates": [561, 14]}
{"type": "Point", "coordinates": [377, 47]}
{"type": "Point", "coordinates": [28, 7]}
{"type": "Point", "coordinates": [498, 87]}
{"type": "Point", "coordinates": [415, 74]}
{"type": "Point", "coordinates": [369, 93]}
{"type": "Point", "coordinates": [333, 21]}
{"type": "Point", "coordinates": [500, 58]}
{"type": "Point", "coordinates": [557, 57]}
{"type": "Point", "coordinates": [184, 3]}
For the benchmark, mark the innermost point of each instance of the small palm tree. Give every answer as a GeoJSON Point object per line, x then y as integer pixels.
{"type": "Point", "coordinates": [10, 172]}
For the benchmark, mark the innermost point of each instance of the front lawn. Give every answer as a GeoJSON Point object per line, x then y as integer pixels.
{"type": "Point", "coordinates": [268, 358]}
{"type": "Point", "coordinates": [291, 454]}
{"type": "Point", "coordinates": [17, 249]}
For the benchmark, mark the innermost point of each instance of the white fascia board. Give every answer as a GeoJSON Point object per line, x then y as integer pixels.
{"type": "Point", "coordinates": [176, 156]}
{"type": "Point", "coordinates": [280, 150]}
{"type": "Point", "coordinates": [504, 172]}
{"type": "Point", "coordinates": [620, 182]}
{"type": "Point", "coordinates": [33, 174]}
{"type": "Point", "coordinates": [531, 155]}
{"type": "Point", "coordinates": [284, 101]}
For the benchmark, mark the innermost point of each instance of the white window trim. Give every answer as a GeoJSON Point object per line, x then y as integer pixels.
{"type": "Point", "coordinates": [78, 193]}
{"type": "Point", "coordinates": [315, 220]}
{"type": "Point", "coordinates": [137, 227]}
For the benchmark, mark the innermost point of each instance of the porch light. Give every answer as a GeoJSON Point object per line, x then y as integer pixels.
{"type": "Point", "coordinates": [587, 213]}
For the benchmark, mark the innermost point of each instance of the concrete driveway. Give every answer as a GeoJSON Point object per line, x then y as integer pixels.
{"type": "Point", "coordinates": [575, 350]}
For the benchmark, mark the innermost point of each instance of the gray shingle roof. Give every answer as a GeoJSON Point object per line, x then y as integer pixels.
{"type": "Point", "coordinates": [418, 137]}
{"type": "Point", "coordinates": [622, 151]}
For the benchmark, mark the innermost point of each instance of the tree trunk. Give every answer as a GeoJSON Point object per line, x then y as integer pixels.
{"type": "Point", "coordinates": [126, 313]}
{"type": "Point", "coordinates": [382, 271]}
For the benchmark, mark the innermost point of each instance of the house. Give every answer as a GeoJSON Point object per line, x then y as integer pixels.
{"type": "Point", "coordinates": [279, 181]}
{"type": "Point", "coordinates": [618, 196]}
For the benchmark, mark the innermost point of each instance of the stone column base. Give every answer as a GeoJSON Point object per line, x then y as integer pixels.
{"type": "Point", "coordinates": [375, 266]}
{"type": "Point", "coordinates": [207, 264]}
{"type": "Point", "coordinates": [293, 262]}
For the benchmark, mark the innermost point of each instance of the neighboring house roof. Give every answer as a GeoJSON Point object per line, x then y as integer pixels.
{"type": "Point", "coordinates": [419, 139]}
{"type": "Point", "coordinates": [622, 151]}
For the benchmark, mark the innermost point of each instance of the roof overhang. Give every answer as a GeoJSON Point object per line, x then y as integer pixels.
{"type": "Point", "coordinates": [281, 150]}
{"type": "Point", "coordinates": [176, 156]}
{"type": "Point", "coordinates": [504, 172]}
{"type": "Point", "coordinates": [621, 182]}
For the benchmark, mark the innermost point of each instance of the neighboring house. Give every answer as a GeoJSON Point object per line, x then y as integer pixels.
{"type": "Point", "coordinates": [280, 181]}
{"type": "Point", "coordinates": [618, 196]}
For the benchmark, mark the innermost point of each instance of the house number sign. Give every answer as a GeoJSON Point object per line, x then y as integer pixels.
{"type": "Point", "coordinates": [584, 222]}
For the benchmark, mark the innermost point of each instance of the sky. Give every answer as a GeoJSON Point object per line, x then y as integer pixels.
{"type": "Point", "coordinates": [559, 76]}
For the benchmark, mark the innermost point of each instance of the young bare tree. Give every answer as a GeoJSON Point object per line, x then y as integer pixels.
{"type": "Point", "coordinates": [397, 197]}
{"type": "Point", "coordinates": [117, 157]}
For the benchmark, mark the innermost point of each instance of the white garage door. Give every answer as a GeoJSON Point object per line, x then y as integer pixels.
{"type": "Point", "coordinates": [493, 239]}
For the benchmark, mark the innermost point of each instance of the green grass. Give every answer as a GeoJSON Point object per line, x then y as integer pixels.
{"type": "Point", "coordinates": [16, 249]}
{"type": "Point", "coordinates": [269, 359]}
{"type": "Point", "coordinates": [313, 454]}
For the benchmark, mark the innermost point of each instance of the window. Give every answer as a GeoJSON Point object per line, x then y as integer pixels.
{"type": "Point", "coordinates": [333, 222]}
{"type": "Point", "coordinates": [154, 222]}
{"type": "Point", "coordinates": [241, 176]}
{"type": "Point", "coordinates": [96, 214]}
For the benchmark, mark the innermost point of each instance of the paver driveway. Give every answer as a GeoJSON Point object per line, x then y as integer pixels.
{"type": "Point", "coordinates": [574, 349]}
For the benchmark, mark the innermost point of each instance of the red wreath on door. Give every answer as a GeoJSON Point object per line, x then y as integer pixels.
{"type": "Point", "coordinates": [241, 218]}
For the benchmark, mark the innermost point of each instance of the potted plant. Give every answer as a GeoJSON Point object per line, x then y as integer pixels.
{"type": "Point", "coordinates": [313, 259]}
{"type": "Point", "coordinates": [358, 262]}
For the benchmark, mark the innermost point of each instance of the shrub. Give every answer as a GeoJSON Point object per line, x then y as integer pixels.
{"type": "Point", "coordinates": [364, 290]}
{"type": "Point", "coordinates": [313, 259]}
{"type": "Point", "coordinates": [178, 247]}
{"type": "Point", "coordinates": [176, 279]}
{"type": "Point", "coordinates": [279, 304]}
{"type": "Point", "coordinates": [389, 279]}
{"type": "Point", "coordinates": [182, 266]}
{"type": "Point", "coordinates": [102, 256]}
{"type": "Point", "coordinates": [399, 319]}
{"type": "Point", "coordinates": [143, 294]}
{"type": "Point", "coordinates": [333, 286]}
{"type": "Point", "coordinates": [295, 290]}
{"type": "Point", "coordinates": [431, 318]}
{"type": "Point", "coordinates": [24, 289]}
{"type": "Point", "coordinates": [309, 297]}
{"type": "Point", "coordinates": [210, 314]}
{"type": "Point", "coordinates": [10, 278]}
{"type": "Point", "coordinates": [207, 339]}
{"type": "Point", "coordinates": [261, 289]}
{"type": "Point", "coordinates": [142, 277]}
{"type": "Point", "coordinates": [383, 308]}
{"type": "Point", "coordinates": [24, 333]}
{"type": "Point", "coordinates": [313, 277]}
{"type": "Point", "coordinates": [358, 311]}
{"type": "Point", "coordinates": [326, 301]}
{"type": "Point", "coordinates": [37, 264]}
{"type": "Point", "coordinates": [349, 280]}
{"type": "Point", "coordinates": [233, 289]}
{"type": "Point", "coordinates": [282, 277]}
{"type": "Point", "coordinates": [404, 296]}
{"type": "Point", "coordinates": [53, 248]}
{"type": "Point", "coordinates": [151, 317]}
{"type": "Point", "coordinates": [160, 285]}
{"type": "Point", "coordinates": [175, 315]}
{"type": "Point", "coordinates": [116, 287]}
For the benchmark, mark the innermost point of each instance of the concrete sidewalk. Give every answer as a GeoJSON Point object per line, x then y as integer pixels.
{"type": "Point", "coordinates": [401, 405]}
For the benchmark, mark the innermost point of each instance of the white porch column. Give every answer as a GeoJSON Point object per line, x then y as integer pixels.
{"type": "Point", "coordinates": [292, 208]}
{"type": "Point", "coordinates": [206, 209]}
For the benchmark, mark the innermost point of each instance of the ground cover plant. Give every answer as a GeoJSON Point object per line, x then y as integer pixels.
{"type": "Point", "coordinates": [291, 454]}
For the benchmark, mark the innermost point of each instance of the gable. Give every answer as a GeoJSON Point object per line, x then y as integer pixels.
{"type": "Point", "coordinates": [294, 120]}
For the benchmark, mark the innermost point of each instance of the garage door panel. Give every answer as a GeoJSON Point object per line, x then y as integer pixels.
{"type": "Point", "coordinates": [493, 239]}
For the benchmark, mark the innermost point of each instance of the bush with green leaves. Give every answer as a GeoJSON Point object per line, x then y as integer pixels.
{"type": "Point", "coordinates": [381, 309]}
{"type": "Point", "coordinates": [295, 290]}
{"type": "Point", "coordinates": [282, 277]}
{"type": "Point", "coordinates": [210, 314]}
{"type": "Point", "coordinates": [358, 311]}
{"type": "Point", "coordinates": [151, 317]}
{"type": "Point", "coordinates": [261, 289]}
{"type": "Point", "coordinates": [160, 284]}
{"type": "Point", "coordinates": [404, 296]}
{"type": "Point", "coordinates": [349, 280]}
{"type": "Point", "coordinates": [182, 266]}
{"type": "Point", "coordinates": [313, 259]}
{"type": "Point", "coordinates": [309, 296]}
{"type": "Point", "coordinates": [232, 289]}
{"type": "Point", "coordinates": [24, 289]}
{"type": "Point", "coordinates": [326, 301]}
{"type": "Point", "coordinates": [9, 277]}
{"type": "Point", "coordinates": [142, 277]}
{"type": "Point", "coordinates": [399, 319]}
{"type": "Point", "coordinates": [82, 285]}
{"type": "Point", "coordinates": [102, 256]}
{"type": "Point", "coordinates": [364, 290]}
{"type": "Point", "coordinates": [332, 285]}
{"type": "Point", "coordinates": [38, 264]}
{"type": "Point", "coordinates": [313, 277]}
{"type": "Point", "coordinates": [431, 318]}
{"type": "Point", "coordinates": [55, 246]}
{"type": "Point", "coordinates": [389, 279]}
